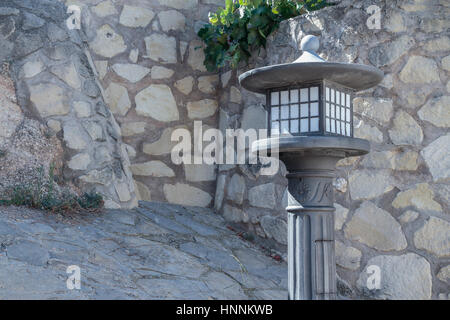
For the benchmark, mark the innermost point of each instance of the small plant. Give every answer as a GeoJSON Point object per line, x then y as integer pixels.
{"type": "Point", "coordinates": [43, 194]}
{"type": "Point", "coordinates": [242, 27]}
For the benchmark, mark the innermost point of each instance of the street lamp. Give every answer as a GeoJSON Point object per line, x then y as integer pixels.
{"type": "Point", "coordinates": [310, 109]}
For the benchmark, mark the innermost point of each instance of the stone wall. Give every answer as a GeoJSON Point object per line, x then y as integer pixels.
{"type": "Point", "coordinates": [393, 204]}
{"type": "Point", "coordinates": [150, 64]}
{"type": "Point", "coordinates": [58, 115]}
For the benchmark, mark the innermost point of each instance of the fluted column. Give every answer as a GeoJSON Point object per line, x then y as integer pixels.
{"type": "Point", "coordinates": [311, 257]}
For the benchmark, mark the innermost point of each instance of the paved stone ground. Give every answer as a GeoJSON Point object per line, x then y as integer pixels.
{"type": "Point", "coordinates": [157, 251]}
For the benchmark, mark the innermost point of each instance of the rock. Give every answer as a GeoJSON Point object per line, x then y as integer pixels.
{"type": "Point", "coordinates": [158, 102]}
{"type": "Point", "coordinates": [420, 197]}
{"type": "Point", "coordinates": [275, 228]}
{"type": "Point", "coordinates": [94, 130]}
{"type": "Point", "coordinates": [434, 237]}
{"type": "Point", "coordinates": [236, 189]}
{"type": "Point", "coordinates": [172, 20]}
{"type": "Point", "coordinates": [184, 194]}
{"type": "Point", "coordinates": [144, 191]}
{"type": "Point", "coordinates": [132, 128]}
{"type": "Point", "coordinates": [163, 145]}
{"type": "Point", "coordinates": [68, 74]}
{"type": "Point", "coordinates": [220, 192]}
{"type": "Point", "coordinates": [437, 159]}
{"type": "Point", "coordinates": [225, 78]}
{"type": "Point", "coordinates": [73, 136]}
{"type": "Point", "coordinates": [208, 84]}
{"type": "Point", "coordinates": [365, 131]}
{"type": "Point", "coordinates": [254, 117]}
{"type": "Point", "coordinates": [134, 55]}
{"type": "Point", "coordinates": [405, 131]}
{"type": "Point", "coordinates": [379, 160]}
{"type": "Point", "coordinates": [202, 109]}
{"type": "Point", "coordinates": [379, 110]}
{"type": "Point", "coordinates": [444, 274]}
{"type": "Point", "coordinates": [420, 70]}
{"type": "Point", "coordinates": [161, 48]}
{"type": "Point", "coordinates": [108, 43]}
{"type": "Point", "coordinates": [340, 216]}
{"type": "Point", "coordinates": [117, 99]}
{"type": "Point", "coordinates": [446, 63]}
{"type": "Point", "coordinates": [102, 68]}
{"type": "Point", "coordinates": [131, 72]}
{"type": "Point", "coordinates": [414, 282]}
{"type": "Point", "coordinates": [408, 216]}
{"type": "Point", "coordinates": [437, 112]}
{"type": "Point", "coordinates": [439, 44]}
{"type": "Point", "coordinates": [340, 184]}
{"type": "Point", "coordinates": [185, 85]}
{"type": "Point", "coordinates": [103, 177]}
{"type": "Point", "coordinates": [200, 172]}
{"type": "Point", "coordinates": [32, 68]}
{"type": "Point", "coordinates": [406, 160]}
{"type": "Point", "coordinates": [196, 55]}
{"type": "Point", "coordinates": [49, 99]}
{"type": "Point", "coordinates": [80, 161]}
{"type": "Point", "coordinates": [123, 191]}
{"type": "Point", "coordinates": [263, 196]}
{"type": "Point", "coordinates": [135, 17]}
{"type": "Point", "coordinates": [235, 95]}
{"type": "Point", "coordinates": [31, 21]}
{"type": "Point", "coordinates": [369, 184]}
{"type": "Point", "coordinates": [179, 4]}
{"type": "Point", "coordinates": [82, 109]}
{"type": "Point", "coordinates": [395, 23]}
{"type": "Point", "coordinates": [104, 9]}
{"type": "Point", "coordinates": [54, 125]}
{"type": "Point", "coordinates": [347, 257]}
{"type": "Point", "coordinates": [28, 252]}
{"type": "Point", "coordinates": [234, 214]}
{"type": "Point", "coordinates": [152, 169]}
{"type": "Point", "coordinates": [161, 73]}
{"type": "Point", "coordinates": [388, 52]}
{"type": "Point", "coordinates": [375, 228]}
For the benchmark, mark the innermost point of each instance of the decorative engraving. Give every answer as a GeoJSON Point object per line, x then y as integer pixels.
{"type": "Point", "coordinates": [312, 191]}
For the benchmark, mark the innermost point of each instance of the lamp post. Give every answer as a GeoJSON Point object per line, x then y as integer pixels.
{"type": "Point", "coordinates": [310, 109]}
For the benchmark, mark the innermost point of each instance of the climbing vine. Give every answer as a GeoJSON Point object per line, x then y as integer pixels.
{"type": "Point", "coordinates": [242, 27]}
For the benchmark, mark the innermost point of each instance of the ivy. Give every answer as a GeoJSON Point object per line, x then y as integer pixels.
{"type": "Point", "coordinates": [243, 26]}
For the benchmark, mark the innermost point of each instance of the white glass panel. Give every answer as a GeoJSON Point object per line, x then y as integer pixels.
{"type": "Point", "coordinates": [332, 95]}
{"type": "Point", "coordinates": [333, 126]}
{"type": "Point", "coordinates": [294, 96]}
{"type": "Point", "coordinates": [314, 109]}
{"type": "Point", "coordinates": [314, 94]}
{"type": "Point", "coordinates": [348, 115]}
{"type": "Point", "coordinates": [294, 111]}
{"type": "Point", "coordinates": [304, 110]}
{"type": "Point", "coordinates": [275, 113]}
{"type": "Point", "coordinates": [338, 112]}
{"type": "Point", "coordinates": [304, 95]}
{"type": "Point", "coordinates": [342, 113]}
{"type": "Point", "coordinates": [327, 110]}
{"type": "Point", "coordinates": [314, 124]}
{"type": "Point", "coordinates": [343, 98]}
{"type": "Point", "coordinates": [327, 122]}
{"type": "Point", "coordinates": [284, 97]}
{"type": "Point", "coordinates": [284, 126]}
{"type": "Point", "coordinates": [338, 127]}
{"type": "Point", "coordinates": [327, 94]}
{"type": "Point", "coordinates": [348, 129]}
{"type": "Point", "coordinates": [333, 114]}
{"type": "Point", "coordinates": [274, 99]}
{"type": "Point", "coordinates": [275, 127]}
{"type": "Point", "coordinates": [304, 125]}
{"type": "Point", "coordinates": [294, 126]}
{"type": "Point", "coordinates": [338, 97]}
{"type": "Point", "coordinates": [348, 101]}
{"type": "Point", "coordinates": [285, 112]}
